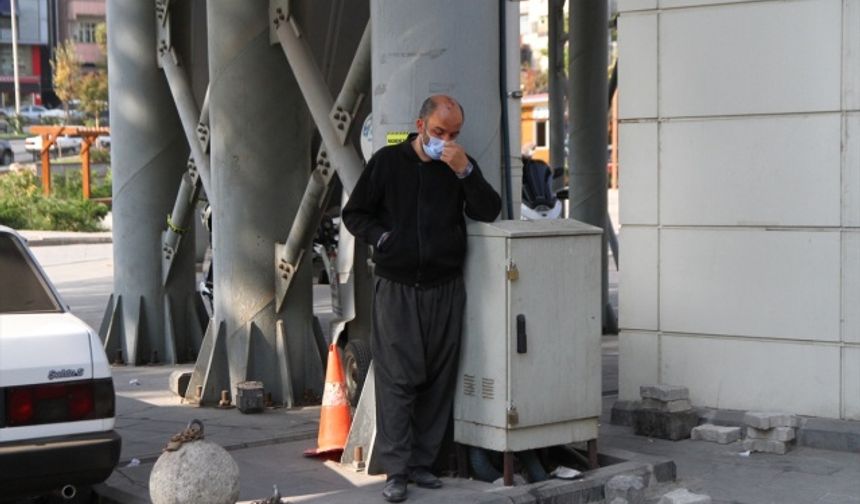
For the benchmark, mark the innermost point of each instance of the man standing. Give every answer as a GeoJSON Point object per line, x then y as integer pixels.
{"type": "Point", "coordinates": [409, 204]}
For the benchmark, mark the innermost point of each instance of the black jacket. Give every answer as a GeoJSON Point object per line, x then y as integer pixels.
{"type": "Point", "coordinates": [421, 204]}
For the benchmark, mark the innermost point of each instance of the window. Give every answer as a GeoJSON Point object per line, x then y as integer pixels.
{"type": "Point", "coordinates": [23, 289]}
{"type": "Point", "coordinates": [85, 31]}
{"type": "Point", "coordinates": [25, 60]}
{"type": "Point", "coordinates": [541, 134]}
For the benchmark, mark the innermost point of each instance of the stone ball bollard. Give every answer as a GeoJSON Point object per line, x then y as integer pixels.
{"type": "Point", "coordinates": [194, 470]}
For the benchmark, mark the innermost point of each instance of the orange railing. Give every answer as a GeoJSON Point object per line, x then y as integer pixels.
{"type": "Point", "coordinates": [49, 136]}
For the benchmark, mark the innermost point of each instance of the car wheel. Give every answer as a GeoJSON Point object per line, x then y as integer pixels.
{"type": "Point", "coordinates": [356, 362]}
{"type": "Point", "coordinates": [8, 158]}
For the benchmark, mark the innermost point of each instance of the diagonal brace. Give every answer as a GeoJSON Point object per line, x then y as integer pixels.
{"type": "Point", "coordinates": [335, 153]}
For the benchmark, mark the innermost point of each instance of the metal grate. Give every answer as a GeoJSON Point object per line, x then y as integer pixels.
{"type": "Point", "coordinates": [468, 385]}
{"type": "Point", "coordinates": [487, 386]}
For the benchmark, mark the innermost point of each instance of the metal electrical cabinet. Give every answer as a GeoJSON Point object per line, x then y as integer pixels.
{"type": "Point", "coordinates": [530, 363]}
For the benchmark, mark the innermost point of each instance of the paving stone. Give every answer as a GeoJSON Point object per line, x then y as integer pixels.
{"type": "Point", "coordinates": [664, 392]}
{"type": "Point", "coordinates": [179, 382]}
{"type": "Point", "coordinates": [775, 434]}
{"type": "Point", "coordinates": [684, 496]}
{"type": "Point", "coordinates": [622, 412]}
{"type": "Point", "coordinates": [716, 433]}
{"type": "Point", "coordinates": [664, 425]}
{"type": "Point", "coordinates": [627, 487]}
{"type": "Point", "coordinates": [769, 419]}
{"type": "Point", "coordinates": [766, 446]}
{"type": "Point", "coordinates": [670, 406]}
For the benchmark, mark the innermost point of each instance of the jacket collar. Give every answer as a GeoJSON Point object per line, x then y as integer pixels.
{"type": "Point", "coordinates": [407, 149]}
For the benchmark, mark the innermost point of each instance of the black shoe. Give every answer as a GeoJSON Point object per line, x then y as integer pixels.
{"type": "Point", "coordinates": [395, 488]}
{"type": "Point", "coordinates": [424, 478]}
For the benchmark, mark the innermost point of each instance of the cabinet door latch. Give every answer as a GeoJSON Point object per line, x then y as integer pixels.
{"type": "Point", "coordinates": [513, 273]}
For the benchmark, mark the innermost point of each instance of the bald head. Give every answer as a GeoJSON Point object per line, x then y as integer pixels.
{"type": "Point", "coordinates": [443, 104]}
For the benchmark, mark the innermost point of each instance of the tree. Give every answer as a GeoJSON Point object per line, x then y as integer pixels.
{"type": "Point", "coordinates": [101, 37]}
{"type": "Point", "coordinates": [66, 69]}
{"type": "Point", "coordinates": [93, 93]}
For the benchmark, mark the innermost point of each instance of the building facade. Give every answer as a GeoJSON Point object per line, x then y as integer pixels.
{"type": "Point", "coordinates": [78, 20]}
{"type": "Point", "coordinates": [740, 202]}
{"type": "Point", "coordinates": [35, 39]}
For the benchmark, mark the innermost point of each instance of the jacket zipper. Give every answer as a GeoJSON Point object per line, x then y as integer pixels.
{"type": "Point", "coordinates": [418, 223]}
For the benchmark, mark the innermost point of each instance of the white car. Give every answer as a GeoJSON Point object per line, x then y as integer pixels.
{"type": "Point", "coordinates": [65, 143]}
{"type": "Point", "coordinates": [29, 113]}
{"type": "Point", "coordinates": [59, 113]}
{"type": "Point", "coordinates": [57, 402]}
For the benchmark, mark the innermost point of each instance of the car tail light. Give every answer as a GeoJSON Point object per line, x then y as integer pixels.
{"type": "Point", "coordinates": [20, 406]}
{"type": "Point", "coordinates": [58, 402]}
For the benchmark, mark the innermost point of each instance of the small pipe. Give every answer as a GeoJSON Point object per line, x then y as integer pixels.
{"type": "Point", "coordinates": [503, 96]}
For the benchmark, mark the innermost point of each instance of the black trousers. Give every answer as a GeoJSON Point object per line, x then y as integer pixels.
{"type": "Point", "coordinates": [416, 349]}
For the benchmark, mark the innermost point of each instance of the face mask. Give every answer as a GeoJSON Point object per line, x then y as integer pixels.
{"type": "Point", "coordinates": [434, 146]}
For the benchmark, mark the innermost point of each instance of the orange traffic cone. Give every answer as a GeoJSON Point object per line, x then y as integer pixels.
{"type": "Point", "coordinates": [334, 415]}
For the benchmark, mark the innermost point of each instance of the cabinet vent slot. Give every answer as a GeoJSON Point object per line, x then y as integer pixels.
{"type": "Point", "coordinates": [468, 385]}
{"type": "Point", "coordinates": [487, 385]}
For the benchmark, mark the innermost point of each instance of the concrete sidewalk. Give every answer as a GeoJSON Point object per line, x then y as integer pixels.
{"type": "Point", "coordinates": [56, 238]}
{"type": "Point", "coordinates": [268, 449]}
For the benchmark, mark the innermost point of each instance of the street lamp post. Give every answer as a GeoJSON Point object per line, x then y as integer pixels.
{"type": "Point", "coordinates": [15, 57]}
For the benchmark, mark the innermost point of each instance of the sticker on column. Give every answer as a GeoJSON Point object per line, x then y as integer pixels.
{"type": "Point", "coordinates": [396, 137]}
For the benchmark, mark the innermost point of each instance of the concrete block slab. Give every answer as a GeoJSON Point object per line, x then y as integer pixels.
{"type": "Point", "coordinates": [716, 434]}
{"type": "Point", "coordinates": [664, 392]}
{"type": "Point", "coordinates": [783, 434]}
{"type": "Point", "coordinates": [622, 412]}
{"type": "Point", "coordinates": [627, 487]}
{"type": "Point", "coordinates": [724, 417]}
{"type": "Point", "coordinates": [662, 469]}
{"type": "Point", "coordinates": [179, 382]}
{"type": "Point", "coordinates": [766, 446]}
{"type": "Point", "coordinates": [670, 406]}
{"type": "Point", "coordinates": [664, 425]}
{"type": "Point", "coordinates": [829, 434]}
{"type": "Point", "coordinates": [769, 419]}
{"type": "Point", "coordinates": [684, 496]}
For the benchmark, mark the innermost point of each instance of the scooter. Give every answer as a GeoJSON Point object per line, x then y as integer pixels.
{"type": "Point", "coordinates": [539, 200]}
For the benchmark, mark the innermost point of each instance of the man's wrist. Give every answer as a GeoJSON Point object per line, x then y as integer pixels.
{"type": "Point", "coordinates": [466, 171]}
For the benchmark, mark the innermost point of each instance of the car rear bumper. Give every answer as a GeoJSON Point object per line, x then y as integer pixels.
{"type": "Point", "coordinates": [42, 465]}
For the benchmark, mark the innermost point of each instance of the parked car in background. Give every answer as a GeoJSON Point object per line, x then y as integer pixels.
{"type": "Point", "coordinates": [29, 113]}
{"type": "Point", "coordinates": [7, 156]}
{"type": "Point", "coordinates": [57, 401]}
{"type": "Point", "coordinates": [65, 144]}
{"type": "Point", "coordinates": [59, 114]}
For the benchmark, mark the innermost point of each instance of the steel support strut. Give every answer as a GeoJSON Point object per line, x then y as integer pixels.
{"type": "Point", "coordinates": [335, 154]}
{"type": "Point", "coordinates": [332, 120]}
{"type": "Point", "coordinates": [145, 320]}
{"type": "Point", "coordinates": [195, 125]}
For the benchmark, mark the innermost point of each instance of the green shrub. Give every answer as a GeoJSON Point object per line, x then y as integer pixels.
{"type": "Point", "coordinates": [23, 206]}
{"type": "Point", "coordinates": [100, 156]}
{"type": "Point", "coordinates": [69, 185]}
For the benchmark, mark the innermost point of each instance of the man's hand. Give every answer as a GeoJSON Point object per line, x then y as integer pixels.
{"type": "Point", "coordinates": [455, 157]}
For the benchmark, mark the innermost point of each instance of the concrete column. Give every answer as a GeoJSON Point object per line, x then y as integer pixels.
{"type": "Point", "coordinates": [422, 48]}
{"type": "Point", "coordinates": [557, 82]}
{"type": "Point", "coordinates": [149, 152]}
{"type": "Point", "coordinates": [588, 122]}
{"type": "Point", "coordinates": [260, 158]}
